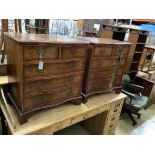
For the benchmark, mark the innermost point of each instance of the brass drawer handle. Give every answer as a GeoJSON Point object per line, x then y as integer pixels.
{"type": "Point", "coordinates": [115, 110]}
{"type": "Point", "coordinates": [102, 51]}
{"type": "Point", "coordinates": [39, 99]}
{"type": "Point", "coordinates": [113, 119]}
{"type": "Point", "coordinates": [72, 65]}
{"type": "Point", "coordinates": [117, 104]}
{"type": "Point", "coordinates": [73, 51]}
{"type": "Point", "coordinates": [71, 78]}
{"type": "Point", "coordinates": [41, 83]}
{"type": "Point", "coordinates": [41, 70]}
{"type": "Point", "coordinates": [42, 51]}
{"type": "Point", "coordinates": [111, 126]}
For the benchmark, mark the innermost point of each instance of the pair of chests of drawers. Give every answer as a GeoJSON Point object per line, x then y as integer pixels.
{"type": "Point", "coordinates": [60, 78]}
{"type": "Point", "coordinates": [106, 67]}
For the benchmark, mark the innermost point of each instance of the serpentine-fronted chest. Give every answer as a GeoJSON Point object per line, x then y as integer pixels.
{"type": "Point", "coordinates": [48, 70]}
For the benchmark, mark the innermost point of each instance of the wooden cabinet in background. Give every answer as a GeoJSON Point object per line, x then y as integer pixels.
{"type": "Point", "coordinates": [138, 39]}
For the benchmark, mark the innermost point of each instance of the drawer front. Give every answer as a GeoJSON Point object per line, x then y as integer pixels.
{"type": "Point", "coordinates": [34, 52]}
{"type": "Point", "coordinates": [115, 111]}
{"type": "Point", "coordinates": [117, 104]}
{"type": "Point", "coordinates": [113, 119]}
{"type": "Point", "coordinates": [104, 63]}
{"type": "Point", "coordinates": [100, 74]}
{"type": "Point", "coordinates": [121, 50]}
{"type": "Point", "coordinates": [99, 85]}
{"type": "Point", "coordinates": [73, 52]}
{"type": "Point", "coordinates": [52, 69]}
{"type": "Point", "coordinates": [103, 51]}
{"type": "Point", "coordinates": [47, 84]}
{"type": "Point", "coordinates": [110, 131]}
{"type": "Point", "coordinates": [50, 98]}
{"type": "Point", "coordinates": [110, 126]}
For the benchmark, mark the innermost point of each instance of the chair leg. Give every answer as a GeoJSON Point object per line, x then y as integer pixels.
{"type": "Point", "coordinates": [132, 118]}
{"type": "Point", "coordinates": [138, 115]}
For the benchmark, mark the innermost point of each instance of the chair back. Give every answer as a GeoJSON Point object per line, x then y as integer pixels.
{"type": "Point", "coordinates": [125, 80]}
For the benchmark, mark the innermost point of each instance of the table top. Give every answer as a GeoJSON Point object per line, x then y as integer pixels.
{"type": "Point", "coordinates": [60, 116]}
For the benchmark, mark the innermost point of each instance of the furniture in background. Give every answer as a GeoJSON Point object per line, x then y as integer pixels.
{"type": "Point", "coordinates": [48, 71]}
{"type": "Point", "coordinates": [99, 116]}
{"type": "Point", "coordinates": [39, 26]}
{"type": "Point", "coordinates": [135, 36]}
{"type": "Point", "coordinates": [135, 100]}
{"type": "Point", "coordinates": [5, 28]}
{"type": "Point", "coordinates": [146, 63]}
{"type": "Point", "coordinates": [138, 39]}
{"type": "Point", "coordinates": [106, 60]}
{"type": "Point", "coordinates": [148, 85]}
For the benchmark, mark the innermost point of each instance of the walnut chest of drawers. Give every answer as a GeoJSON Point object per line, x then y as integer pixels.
{"type": "Point", "coordinates": [48, 70]}
{"type": "Point", "coordinates": [105, 65]}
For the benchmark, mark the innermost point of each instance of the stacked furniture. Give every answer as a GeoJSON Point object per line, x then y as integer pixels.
{"type": "Point", "coordinates": [146, 62]}
{"type": "Point", "coordinates": [106, 60]}
{"type": "Point", "coordinates": [48, 70]}
{"type": "Point", "coordinates": [135, 36]}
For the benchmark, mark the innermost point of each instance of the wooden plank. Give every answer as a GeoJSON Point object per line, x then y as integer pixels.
{"type": "Point", "coordinates": [6, 80]}
{"type": "Point", "coordinates": [54, 119]}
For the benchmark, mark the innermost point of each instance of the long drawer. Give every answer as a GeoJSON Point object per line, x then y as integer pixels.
{"type": "Point", "coordinates": [99, 85]}
{"type": "Point", "coordinates": [31, 70]}
{"type": "Point", "coordinates": [33, 52]}
{"type": "Point", "coordinates": [102, 63]}
{"type": "Point", "coordinates": [101, 74]}
{"type": "Point", "coordinates": [50, 83]}
{"type": "Point", "coordinates": [50, 98]}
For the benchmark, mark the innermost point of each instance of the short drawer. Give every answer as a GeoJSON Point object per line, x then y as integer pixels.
{"type": "Point", "coordinates": [31, 70]}
{"type": "Point", "coordinates": [121, 50]}
{"type": "Point", "coordinates": [73, 52]}
{"type": "Point", "coordinates": [103, 51]}
{"type": "Point", "coordinates": [50, 98]}
{"type": "Point", "coordinates": [110, 126]}
{"type": "Point", "coordinates": [51, 83]}
{"type": "Point", "coordinates": [113, 119]}
{"type": "Point", "coordinates": [110, 131]}
{"type": "Point", "coordinates": [100, 74]}
{"type": "Point", "coordinates": [115, 111]}
{"type": "Point", "coordinates": [46, 52]}
{"type": "Point", "coordinates": [99, 85]}
{"type": "Point", "coordinates": [102, 63]}
{"type": "Point", "coordinates": [117, 104]}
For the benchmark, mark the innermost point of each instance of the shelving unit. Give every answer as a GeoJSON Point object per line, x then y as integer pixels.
{"type": "Point", "coordinates": [146, 62]}
{"type": "Point", "coordinates": [135, 36]}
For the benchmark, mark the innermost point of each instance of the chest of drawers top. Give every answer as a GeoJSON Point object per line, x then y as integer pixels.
{"type": "Point", "coordinates": [103, 41]}
{"type": "Point", "coordinates": [44, 38]}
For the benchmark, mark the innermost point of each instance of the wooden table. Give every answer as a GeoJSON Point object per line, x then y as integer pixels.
{"type": "Point", "coordinates": [99, 115]}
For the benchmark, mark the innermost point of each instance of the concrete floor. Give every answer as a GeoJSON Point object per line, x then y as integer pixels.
{"type": "Point", "coordinates": [145, 126]}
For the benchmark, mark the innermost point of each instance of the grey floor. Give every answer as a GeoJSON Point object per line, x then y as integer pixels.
{"type": "Point", "coordinates": [145, 126]}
